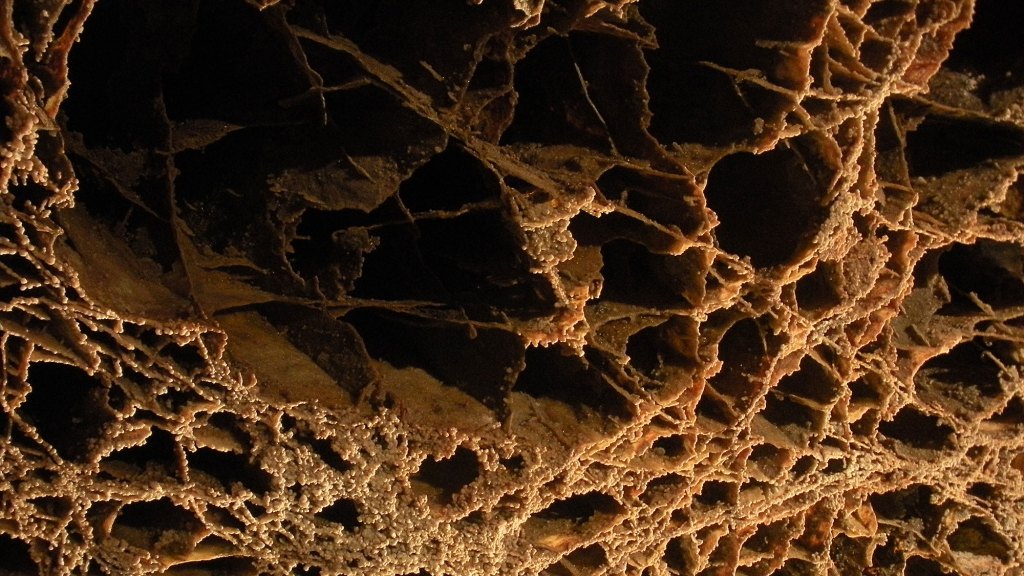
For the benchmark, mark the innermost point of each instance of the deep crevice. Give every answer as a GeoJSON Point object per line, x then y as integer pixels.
{"type": "Point", "coordinates": [344, 512]}
{"type": "Point", "coordinates": [768, 204]}
{"type": "Point", "coordinates": [67, 407]}
{"type": "Point", "coordinates": [443, 479]}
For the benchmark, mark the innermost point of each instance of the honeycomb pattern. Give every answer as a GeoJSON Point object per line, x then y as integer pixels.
{"type": "Point", "coordinates": [563, 287]}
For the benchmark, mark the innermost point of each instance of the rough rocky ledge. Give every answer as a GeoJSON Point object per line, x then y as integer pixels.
{"type": "Point", "coordinates": [512, 287]}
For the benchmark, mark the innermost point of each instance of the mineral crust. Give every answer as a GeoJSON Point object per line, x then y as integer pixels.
{"type": "Point", "coordinates": [512, 287]}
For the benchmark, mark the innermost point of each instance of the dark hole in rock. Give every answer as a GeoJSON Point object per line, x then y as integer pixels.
{"type": "Point", "coordinates": [477, 260]}
{"type": "Point", "coordinates": [442, 35]}
{"type": "Point", "coordinates": [330, 248]}
{"type": "Point", "coordinates": [883, 10]}
{"type": "Point", "coordinates": [16, 559]}
{"type": "Point", "coordinates": [820, 289]}
{"type": "Point", "coordinates": [875, 53]}
{"type": "Point", "coordinates": [230, 469]}
{"type": "Point", "coordinates": [715, 114]}
{"type": "Point", "coordinates": [888, 555]}
{"type": "Point", "coordinates": [795, 418]}
{"type": "Point", "coordinates": [691, 101]}
{"type": "Point", "coordinates": [481, 364]}
{"type": "Point", "coordinates": [994, 271]}
{"type": "Point", "coordinates": [101, 513]}
{"type": "Point", "coordinates": [770, 459]}
{"type": "Point", "coordinates": [448, 181]}
{"type": "Point", "coordinates": [990, 45]}
{"type": "Point", "coordinates": [28, 194]}
{"type": "Point", "coordinates": [916, 503]}
{"type": "Point", "coordinates": [106, 98]}
{"type": "Point", "coordinates": [491, 73]}
{"type": "Point", "coordinates": [557, 372]}
{"type": "Point", "coordinates": [862, 391]}
{"type": "Point", "coordinates": [186, 356]}
{"type": "Point", "coordinates": [159, 514]}
{"type": "Point", "coordinates": [834, 466]}
{"type": "Point", "coordinates": [12, 290]}
{"type": "Point", "coordinates": [924, 566]}
{"type": "Point", "coordinates": [514, 463]}
{"type": "Point", "coordinates": [811, 381]}
{"type": "Point", "coordinates": [672, 343]}
{"type": "Point", "coordinates": [19, 267]}
{"type": "Point", "coordinates": [715, 410]}
{"type": "Point", "coordinates": [216, 46]}
{"type": "Point", "coordinates": [804, 465]}
{"type": "Point", "coordinates": [741, 350]}
{"type": "Point", "coordinates": [226, 207]}
{"type": "Point", "coordinates": [768, 536]}
{"type": "Point", "coordinates": [976, 536]}
{"type": "Point", "coordinates": [93, 569]}
{"type": "Point", "coordinates": [912, 427]}
{"type": "Point", "coordinates": [393, 270]}
{"type": "Point", "coordinates": [581, 508]}
{"type": "Point", "coordinates": [445, 478]}
{"type": "Point", "coordinates": [680, 556]}
{"type": "Point", "coordinates": [323, 448]}
{"type": "Point", "coordinates": [160, 450]}
{"type": "Point", "coordinates": [145, 235]}
{"type": "Point", "coordinates": [964, 375]}
{"type": "Point", "coordinates": [344, 512]}
{"type": "Point", "coordinates": [715, 492]}
{"type": "Point", "coordinates": [672, 201]}
{"type": "Point", "coordinates": [233, 425]}
{"type": "Point", "coordinates": [255, 509]}
{"type": "Point", "coordinates": [217, 515]}
{"type": "Point", "coordinates": [982, 490]}
{"type": "Point", "coordinates": [471, 260]}
{"type": "Point", "coordinates": [475, 517]}
{"type": "Point", "coordinates": [680, 517]}
{"type": "Point", "coordinates": [54, 506]}
{"type": "Point", "coordinates": [117, 398]}
{"type": "Point", "coordinates": [553, 106]}
{"type": "Point", "coordinates": [941, 144]}
{"type": "Point", "coordinates": [1012, 414]}
{"type": "Point", "coordinates": [768, 204]}
{"type": "Point", "coordinates": [927, 268]}
{"type": "Point", "coordinates": [154, 524]}
{"type": "Point", "coordinates": [355, 120]}
{"type": "Point", "coordinates": [66, 406]}
{"type": "Point", "coordinates": [633, 275]}
{"type": "Point", "coordinates": [866, 425]}
{"type": "Point", "coordinates": [670, 446]}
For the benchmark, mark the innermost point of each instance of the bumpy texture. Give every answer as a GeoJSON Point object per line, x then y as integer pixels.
{"type": "Point", "coordinates": [665, 287]}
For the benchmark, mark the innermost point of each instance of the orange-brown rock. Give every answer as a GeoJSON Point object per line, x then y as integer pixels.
{"type": "Point", "coordinates": [512, 287]}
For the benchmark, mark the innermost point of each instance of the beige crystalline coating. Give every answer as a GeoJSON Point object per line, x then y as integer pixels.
{"type": "Point", "coordinates": [512, 287]}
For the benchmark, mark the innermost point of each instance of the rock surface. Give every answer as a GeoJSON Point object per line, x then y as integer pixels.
{"type": "Point", "coordinates": [512, 287]}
